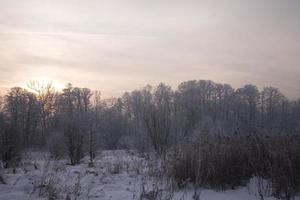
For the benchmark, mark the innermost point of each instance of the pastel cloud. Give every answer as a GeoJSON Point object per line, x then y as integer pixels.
{"type": "Point", "coordinates": [120, 45]}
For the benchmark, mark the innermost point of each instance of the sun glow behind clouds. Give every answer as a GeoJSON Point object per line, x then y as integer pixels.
{"type": "Point", "coordinates": [118, 46]}
{"type": "Point", "coordinates": [44, 81]}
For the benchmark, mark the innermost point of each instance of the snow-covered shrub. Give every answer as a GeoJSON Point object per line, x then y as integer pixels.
{"type": "Point", "coordinates": [49, 186]}
{"type": "Point", "coordinates": [115, 168]}
{"type": "Point", "coordinates": [51, 191]}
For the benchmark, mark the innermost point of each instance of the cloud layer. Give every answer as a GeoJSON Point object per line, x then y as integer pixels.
{"type": "Point", "coordinates": [119, 45]}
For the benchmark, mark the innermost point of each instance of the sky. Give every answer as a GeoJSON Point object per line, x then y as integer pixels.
{"type": "Point", "coordinates": [121, 45]}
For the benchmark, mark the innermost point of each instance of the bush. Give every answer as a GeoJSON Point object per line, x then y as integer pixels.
{"type": "Point", "coordinates": [285, 166]}
{"type": "Point", "coordinates": [56, 147]}
{"type": "Point", "coordinates": [9, 147]}
{"type": "Point", "coordinates": [223, 162]}
{"type": "Point", "coordinates": [217, 162]}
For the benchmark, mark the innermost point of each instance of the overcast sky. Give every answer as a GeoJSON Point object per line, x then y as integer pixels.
{"type": "Point", "coordinates": [119, 45]}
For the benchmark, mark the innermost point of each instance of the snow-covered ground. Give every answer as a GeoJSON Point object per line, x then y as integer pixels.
{"type": "Point", "coordinates": [116, 175]}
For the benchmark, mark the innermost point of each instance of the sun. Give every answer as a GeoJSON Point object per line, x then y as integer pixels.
{"type": "Point", "coordinates": [43, 82]}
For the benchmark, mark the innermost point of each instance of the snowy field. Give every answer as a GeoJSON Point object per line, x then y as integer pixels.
{"type": "Point", "coordinates": [116, 175]}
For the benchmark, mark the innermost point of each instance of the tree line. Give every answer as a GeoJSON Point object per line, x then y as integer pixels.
{"type": "Point", "coordinates": [77, 122]}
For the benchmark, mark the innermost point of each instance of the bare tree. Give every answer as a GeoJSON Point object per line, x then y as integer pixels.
{"type": "Point", "coordinates": [46, 95]}
{"type": "Point", "coordinates": [157, 116]}
{"type": "Point", "coordinates": [74, 109]}
{"type": "Point", "coordinates": [249, 97]}
{"type": "Point", "coordinates": [94, 125]}
{"type": "Point", "coordinates": [22, 109]}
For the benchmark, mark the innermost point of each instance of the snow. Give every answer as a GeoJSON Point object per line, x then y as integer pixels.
{"type": "Point", "coordinates": [116, 175]}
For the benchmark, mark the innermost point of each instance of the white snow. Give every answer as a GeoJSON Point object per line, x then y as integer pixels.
{"type": "Point", "coordinates": [116, 175]}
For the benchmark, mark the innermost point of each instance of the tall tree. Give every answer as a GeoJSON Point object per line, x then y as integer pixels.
{"type": "Point", "coordinates": [46, 96]}
{"type": "Point", "coordinates": [249, 97]}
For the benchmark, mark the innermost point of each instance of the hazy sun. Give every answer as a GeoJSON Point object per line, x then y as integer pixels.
{"type": "Point", "coordinates": [44, 81]}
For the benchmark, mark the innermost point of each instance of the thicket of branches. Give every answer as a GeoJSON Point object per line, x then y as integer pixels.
{"type": "Point", "coordinates": [223, 162]}
{"type": "Point", "coordinates": [77, 122]}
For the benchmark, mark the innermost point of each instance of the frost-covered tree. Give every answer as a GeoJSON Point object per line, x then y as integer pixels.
{"type": "Point", "coordinates": [73, 108]}
{"type": "Point", "coordinates": [22, 110]}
